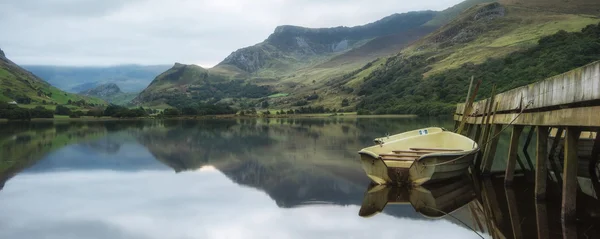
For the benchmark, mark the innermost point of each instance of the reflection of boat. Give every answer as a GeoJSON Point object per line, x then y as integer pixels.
{"type": "Point", "coordinates": [433, 201]}
{"type": "Point", "coordinates": [429, 156]}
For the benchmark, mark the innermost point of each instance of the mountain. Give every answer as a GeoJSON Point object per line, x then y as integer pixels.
{"type": "Point", "coordinates": [191, 82]}
{"type": "Point", "coordinates": [291, 47]}
{"type": "Point", "coordinates": [298, 66]}
{"type": "Point", "coordinates": [111, 93]}
{"type": "Point", "coordinates": [18, 84]}
{"type": "Point", "coordinates": [130, 78]}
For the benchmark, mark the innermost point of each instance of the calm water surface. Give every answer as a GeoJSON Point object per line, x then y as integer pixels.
{"type": "Point", "coordinates": [278, 178]}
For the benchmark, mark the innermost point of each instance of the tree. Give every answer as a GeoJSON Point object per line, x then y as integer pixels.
{"type": "Point", "coordinates": [69, 102]}
{"type": "Point", "coordinates": [171, 112]}
{"type": "Point", "coordinates": [264, 104]}
{"type": "Point", "coordinates": [345, 103]}
{"type": "Point", "coordinates": [62, 110]}
{"type": "Point", "coordinates": [41, 112]}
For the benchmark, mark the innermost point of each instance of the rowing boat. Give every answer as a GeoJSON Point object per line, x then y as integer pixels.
{"type": "Point", "coordinates": [430, 156]}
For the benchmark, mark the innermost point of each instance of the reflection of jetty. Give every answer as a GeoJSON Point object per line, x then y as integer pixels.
{"type": "Point", "coordinates": [565, 105]}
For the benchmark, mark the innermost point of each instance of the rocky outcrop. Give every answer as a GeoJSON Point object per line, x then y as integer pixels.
{"type": "Point", "coordinates": [467, 28]}
{"type": "Point", "coordinates": [294, 45]}
{"type": "Point", "coordinates": [2, 53]}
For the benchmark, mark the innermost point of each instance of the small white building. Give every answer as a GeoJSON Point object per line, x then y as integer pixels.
{"type": "Point", "coordinates": [12, 103]}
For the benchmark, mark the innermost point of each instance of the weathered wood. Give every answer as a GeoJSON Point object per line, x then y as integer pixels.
{"type": "Point", "coordinates": [512, 154]}
{"type": "Point", "coordinates": [513, 211]}
{"type": "Point", "coordinates": [578, 85]}
{"type": "Point", "coordinates": [583, 116]}
{"type": "Point", "coordinates": [569, 192]}
{"type": "Point", "coordinates": [396, 159]}
{"type": "Point", "coordinates": [491, 108]}
{"type": "Point", "coordinates": [467, 110]}
{"type": "Point", "coordinates": [541, 217]}
{"type": "Point", "coordinates": [541, 159]}
{"type": "Point", "coordinates": [437, 149]}
{"type": "Point", "coordinates": [412, 152]}
{"type": "Point", "coordinates": [469, 92]}
{"type": "Point", "coordinates": [490, 153]}
{"type": "Point", "coordinates": [555, 143]}
{"type": "Point", "coordinates": [400, 155]}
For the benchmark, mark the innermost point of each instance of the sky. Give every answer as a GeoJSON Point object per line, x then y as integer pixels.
{"type": "Point", "coordinates": [202, 32]}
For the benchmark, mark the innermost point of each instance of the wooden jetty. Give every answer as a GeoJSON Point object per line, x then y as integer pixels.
{"type": "Point", "coordinates": [567, 104]}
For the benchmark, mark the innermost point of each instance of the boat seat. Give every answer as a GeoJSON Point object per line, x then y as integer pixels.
{"type": "Point", "coordinates": [401, 155]}
{"type": "Point", "coordinates": [437, 149]}
{"type": "Point", "coordinates": [396, 159]}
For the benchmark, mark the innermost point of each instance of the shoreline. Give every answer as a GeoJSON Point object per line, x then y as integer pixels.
{"type": "Point", "coordinates": [299, 116]}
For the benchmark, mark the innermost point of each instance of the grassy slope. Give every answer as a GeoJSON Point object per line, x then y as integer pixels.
{"type": "Point", "coordinates": [14, 81]}
{"type": "Point", "coordinates": [520, 29]}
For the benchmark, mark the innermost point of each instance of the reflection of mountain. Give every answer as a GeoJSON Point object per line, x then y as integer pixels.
{"type": "Point", "coordinates": [295, 161]}
{"type": "Point", "coordinates": [23, 144]}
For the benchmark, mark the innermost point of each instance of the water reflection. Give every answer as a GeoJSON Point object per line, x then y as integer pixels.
{"type": "Point", "coordinates": [277, 178]}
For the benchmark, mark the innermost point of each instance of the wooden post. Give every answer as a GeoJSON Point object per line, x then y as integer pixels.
{"type": "Point", "coordinates": [569, 192]}
{"type": "Point", "coordinates": [469, 92]}
{"type": "Point", "coordinates": [492, 108]}
{"type": "Point", "coordinates": [541, 215]}
{"type": "Point", "coordinates": [555, 143]}
{"type": "Point", "coordinates": [490, 154]}
{"type": "Point", "coordinates": [541, 159]}
{"type": "Point", "coordinates": [468, 108]}
{"type": "Point", "coordinates": [477, 132]}
{"type": "Point", "coordinates": [513, 211]}
{"type": "Point", "coordinates": [512, 154]}
{"type": "Point", "coordinates": [470, 128]}
{"type": "Point", "coordinates": [486, 115]}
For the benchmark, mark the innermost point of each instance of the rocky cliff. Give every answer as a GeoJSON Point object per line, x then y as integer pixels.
{"type": "Point", "coordinates": [103, 91]}
{"type": "Point", "coordinates": [290, 46]}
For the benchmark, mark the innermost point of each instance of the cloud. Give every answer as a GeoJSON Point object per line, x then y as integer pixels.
{"type": "Point", "coordinates": [201, 204]}
{"type": "Point", "coordinates": [89, 32]}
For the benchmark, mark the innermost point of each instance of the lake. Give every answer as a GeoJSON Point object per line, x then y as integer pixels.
{"type": "Point", "coordinates": [246, 178]}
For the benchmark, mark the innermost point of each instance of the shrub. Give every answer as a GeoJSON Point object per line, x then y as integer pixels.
{"type": "Point", "coordinates": [62, 110]}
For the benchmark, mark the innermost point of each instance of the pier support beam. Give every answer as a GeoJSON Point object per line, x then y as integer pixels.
{"type": "Point", "coordinates": [490, 153]}
{"type": "Point", "coordinates": [512, 154]}
{"type": "Point", "coordinates": [541, 158]}
{"type": "Point", "coordinates": [569, 192]}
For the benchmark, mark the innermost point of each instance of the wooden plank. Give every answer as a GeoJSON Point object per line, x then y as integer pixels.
{"type": "Point", "coordinates": [569, 191]}
{"type": "Point", "coordinates": [512, 154]}
{"type": "Point", "coordinates": [578, 85]}
{"type": "Point", "coordinates": [400, 155]}
{"type": "Point", "coordinates": [490, 154]}
{"type": "Point", "coordinates": [583, 117]}
{"type": "Point", "coordinates": [437, 149]}
{"type": "Point", "coordinates": [414, 152]}
{"type": "Point", "coordinates": [541, 160]}
{"type": "Point", "coordinates": [396, 159]}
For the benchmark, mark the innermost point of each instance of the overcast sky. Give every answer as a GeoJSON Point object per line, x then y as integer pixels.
{"type": "Point", "coordinates": [203, 32]}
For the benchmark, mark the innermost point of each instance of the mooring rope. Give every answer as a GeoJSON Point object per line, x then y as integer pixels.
{"type": "Point", "coordinates": [487, 142]}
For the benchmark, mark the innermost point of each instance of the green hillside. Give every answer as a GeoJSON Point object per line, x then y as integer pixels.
{"type": "Point", "coordinates": [400, 87]}
{"type": "Point", "coordinates": [17, 84]}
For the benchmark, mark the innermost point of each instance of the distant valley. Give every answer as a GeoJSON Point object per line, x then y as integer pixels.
{"type": "Point", "coordinates": [74, 79]}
